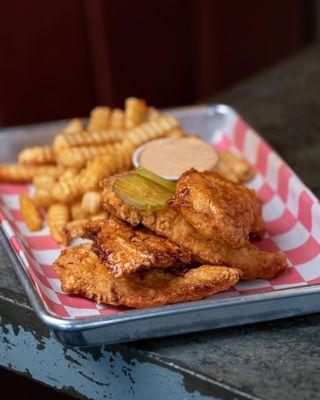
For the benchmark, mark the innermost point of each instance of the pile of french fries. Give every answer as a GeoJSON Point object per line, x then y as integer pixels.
{"type": "Point", "coordinates": [67, 173]}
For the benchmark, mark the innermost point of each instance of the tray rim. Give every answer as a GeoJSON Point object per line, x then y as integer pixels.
{"type": "Point", "coordinates": [65, 324]}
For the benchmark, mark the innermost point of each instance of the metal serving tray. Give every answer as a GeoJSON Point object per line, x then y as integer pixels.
{"type": "Point", "coordinates": [291, 212]}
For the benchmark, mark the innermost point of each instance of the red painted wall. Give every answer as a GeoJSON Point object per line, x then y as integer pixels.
{"type": "Point", "coordinates": [58, 59]}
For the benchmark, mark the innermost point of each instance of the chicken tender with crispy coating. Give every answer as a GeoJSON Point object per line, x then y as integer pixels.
{"type": "Point", "coordinates": [81, 273]}
{"type": "Point", "coordinates": [169, 223]}
{"type": "Point", "coordinates": [125, 250]}
{"type": "Point", "coordinates": [218, 209]}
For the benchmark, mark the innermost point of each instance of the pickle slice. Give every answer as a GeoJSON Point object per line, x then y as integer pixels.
{"type": "Point", "coordinates": [169, 185]}
{"type": "Point", "coordinates": [141, 192]}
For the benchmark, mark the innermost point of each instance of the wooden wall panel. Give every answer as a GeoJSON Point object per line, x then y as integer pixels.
{"type": "Point", "coordinates": [235, 39]}
{"type": "Point", "coordinates": [45, 65]}
{"type": "Point", "coordinates": [60, 58]}
{"type": "Point", "coordinates": [149, 50]}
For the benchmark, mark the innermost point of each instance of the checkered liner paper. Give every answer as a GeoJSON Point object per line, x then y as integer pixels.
{"type": "Point", "coordinates": [290, 210]}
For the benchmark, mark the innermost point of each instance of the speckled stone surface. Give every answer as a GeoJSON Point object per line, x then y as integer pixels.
{"type": "Point", "coordinates": [276, 360]}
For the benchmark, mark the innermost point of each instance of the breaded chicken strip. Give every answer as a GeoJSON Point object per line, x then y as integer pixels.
{"type": "Point", "coordinates": [218, 209]}
{"type": "Point", "coordinates": [125, 250]}
{"type": "Point", "coordinates": [169, 223]}
{"type": "Point", "coordinates": [80, 273]}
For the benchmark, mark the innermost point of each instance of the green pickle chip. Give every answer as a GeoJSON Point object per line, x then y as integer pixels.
{"type": "Point", "coordinates": [171, 186]}
{"type": "Point", "coordinates": [142, 192]}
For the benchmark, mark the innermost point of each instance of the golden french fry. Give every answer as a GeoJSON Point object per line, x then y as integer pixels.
{"type": "Point", "coordinates": [43, 198]}
{"type": "Point", "coordinates": [91, 202]}
{"type": "Point", "coordinates": [37, 155]}
{"type": "Point", "coordinates": [93, 173]}
{"type": "Point", "coordinates": [152, 113]}
{"type": "Point", "coordinates": [43, 190]}
{"type": "Point", "coordinates": [102, 166]}
{"type": "Point", "coordinates": [78, 156]}
{"type": "Point", "coordinates": [73, 126]}
{"type": "Point", "coordinates": [69, 173]}
{"type": "Point", "coordinates": [87, 139]}
{"type": "Point", "coordinates": [67, 189]}
{"type": "Point", "coordinates": [99, 119]}
{"type": "Point", "coordinates": [30, 213]}
{"type": "Point", "coordinates": [77, 212]}
{"type": "Point", "coordinates": [234, 168]}
{"type": "Point", "coordinates": [117, 119]}
{"type": "Point", "coordinates": [43, 181]}
{"type": "Point", "coordinates": [135, 110]}
{"type": "Point", "coordinates": [24, 173]}
{"type": "Point", "coordinates": [150, 130]}
{"type": "Point", "coordinates": [58, 217]}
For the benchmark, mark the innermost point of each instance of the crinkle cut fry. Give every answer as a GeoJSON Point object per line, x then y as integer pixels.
{"type": "Point", "coordinates": [67, 189]}
{"type": "Point", "coordinates": [135, 110]}
{"type": "Point", "coordinates": [37, 155]}
{"type": "Point", "coordinates": [117, 119]}
{"type": "Point", "coordinates": [22, 173]}
{"type": "Point", "coordinates": [80, 273]}
{"type": "Point", "coordinates": [76, 157]}
{"type": "Point", "coordinates": [85, 138]}
{"type": "Point", "coordinates": [234, 168]}
{"type": "Point", "coordinates": [75, 125]}
{"type": "Point", "coordinates": [30, 213]}
{"type": "Point", "coordinates": [103, 166]}
{"type": "Point", "coordinates": [153, 129]}
{"type": "Point", "coordinates": [58, 216]}
{"type": "Point", "coordinates": [253, 262]}
{"type": "Point", "coordinates": [99, 118]}
{"type": "Point", "coordinates": [43, 190]}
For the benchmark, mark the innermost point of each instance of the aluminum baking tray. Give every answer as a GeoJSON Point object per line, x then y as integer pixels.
{"type": "Point", "coordinates": [292, 218]}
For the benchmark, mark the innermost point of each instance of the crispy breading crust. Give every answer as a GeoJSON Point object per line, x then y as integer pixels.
{"type": "Point", "coordinates": [253, 262]}
{"type": "Point", "coordinates": [218, 209]}
{"type": "Point", "coordinates": [80, 273]}
{"type": "Point", "coordinates": [125, 250]}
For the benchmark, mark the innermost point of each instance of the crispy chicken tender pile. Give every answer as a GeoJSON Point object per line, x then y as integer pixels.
{"type": "Point", "coordinates": [81, 273]}
{"type": "Point", "coordinates": [171, 224]}
{"type": "Point", "coordinates": [125, 250]}
{"type": "Point", "coordinates": [218, 209]}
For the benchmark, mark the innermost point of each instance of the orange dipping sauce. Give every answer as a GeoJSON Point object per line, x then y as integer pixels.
{"type": "Point", "coordinates": [170, 157]}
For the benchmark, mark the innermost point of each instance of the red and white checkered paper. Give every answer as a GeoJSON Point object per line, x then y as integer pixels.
{"type": "Point", "coordinates": [290, 210]}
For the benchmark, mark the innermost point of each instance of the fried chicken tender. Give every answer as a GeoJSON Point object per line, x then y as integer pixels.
{"type": "Point", "coordinates": [125, 250]}
{"type": "Point", "coordinates": [218, 209]}
{"type": "Point", "coordinates": [80, 273]}
{"type": "Point", "coordinates": [234, 168]}
{"type": "Point", "coordinates": [76, 228]}
{"type": "Point", "coordinates": [171, 224]}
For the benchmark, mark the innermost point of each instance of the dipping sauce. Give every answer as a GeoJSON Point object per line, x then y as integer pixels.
{"type": "Point", "coordinates": [171, 157]}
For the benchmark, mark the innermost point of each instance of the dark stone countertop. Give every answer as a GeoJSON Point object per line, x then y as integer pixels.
{"type": "Point", "coordinates": [275, 360]}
